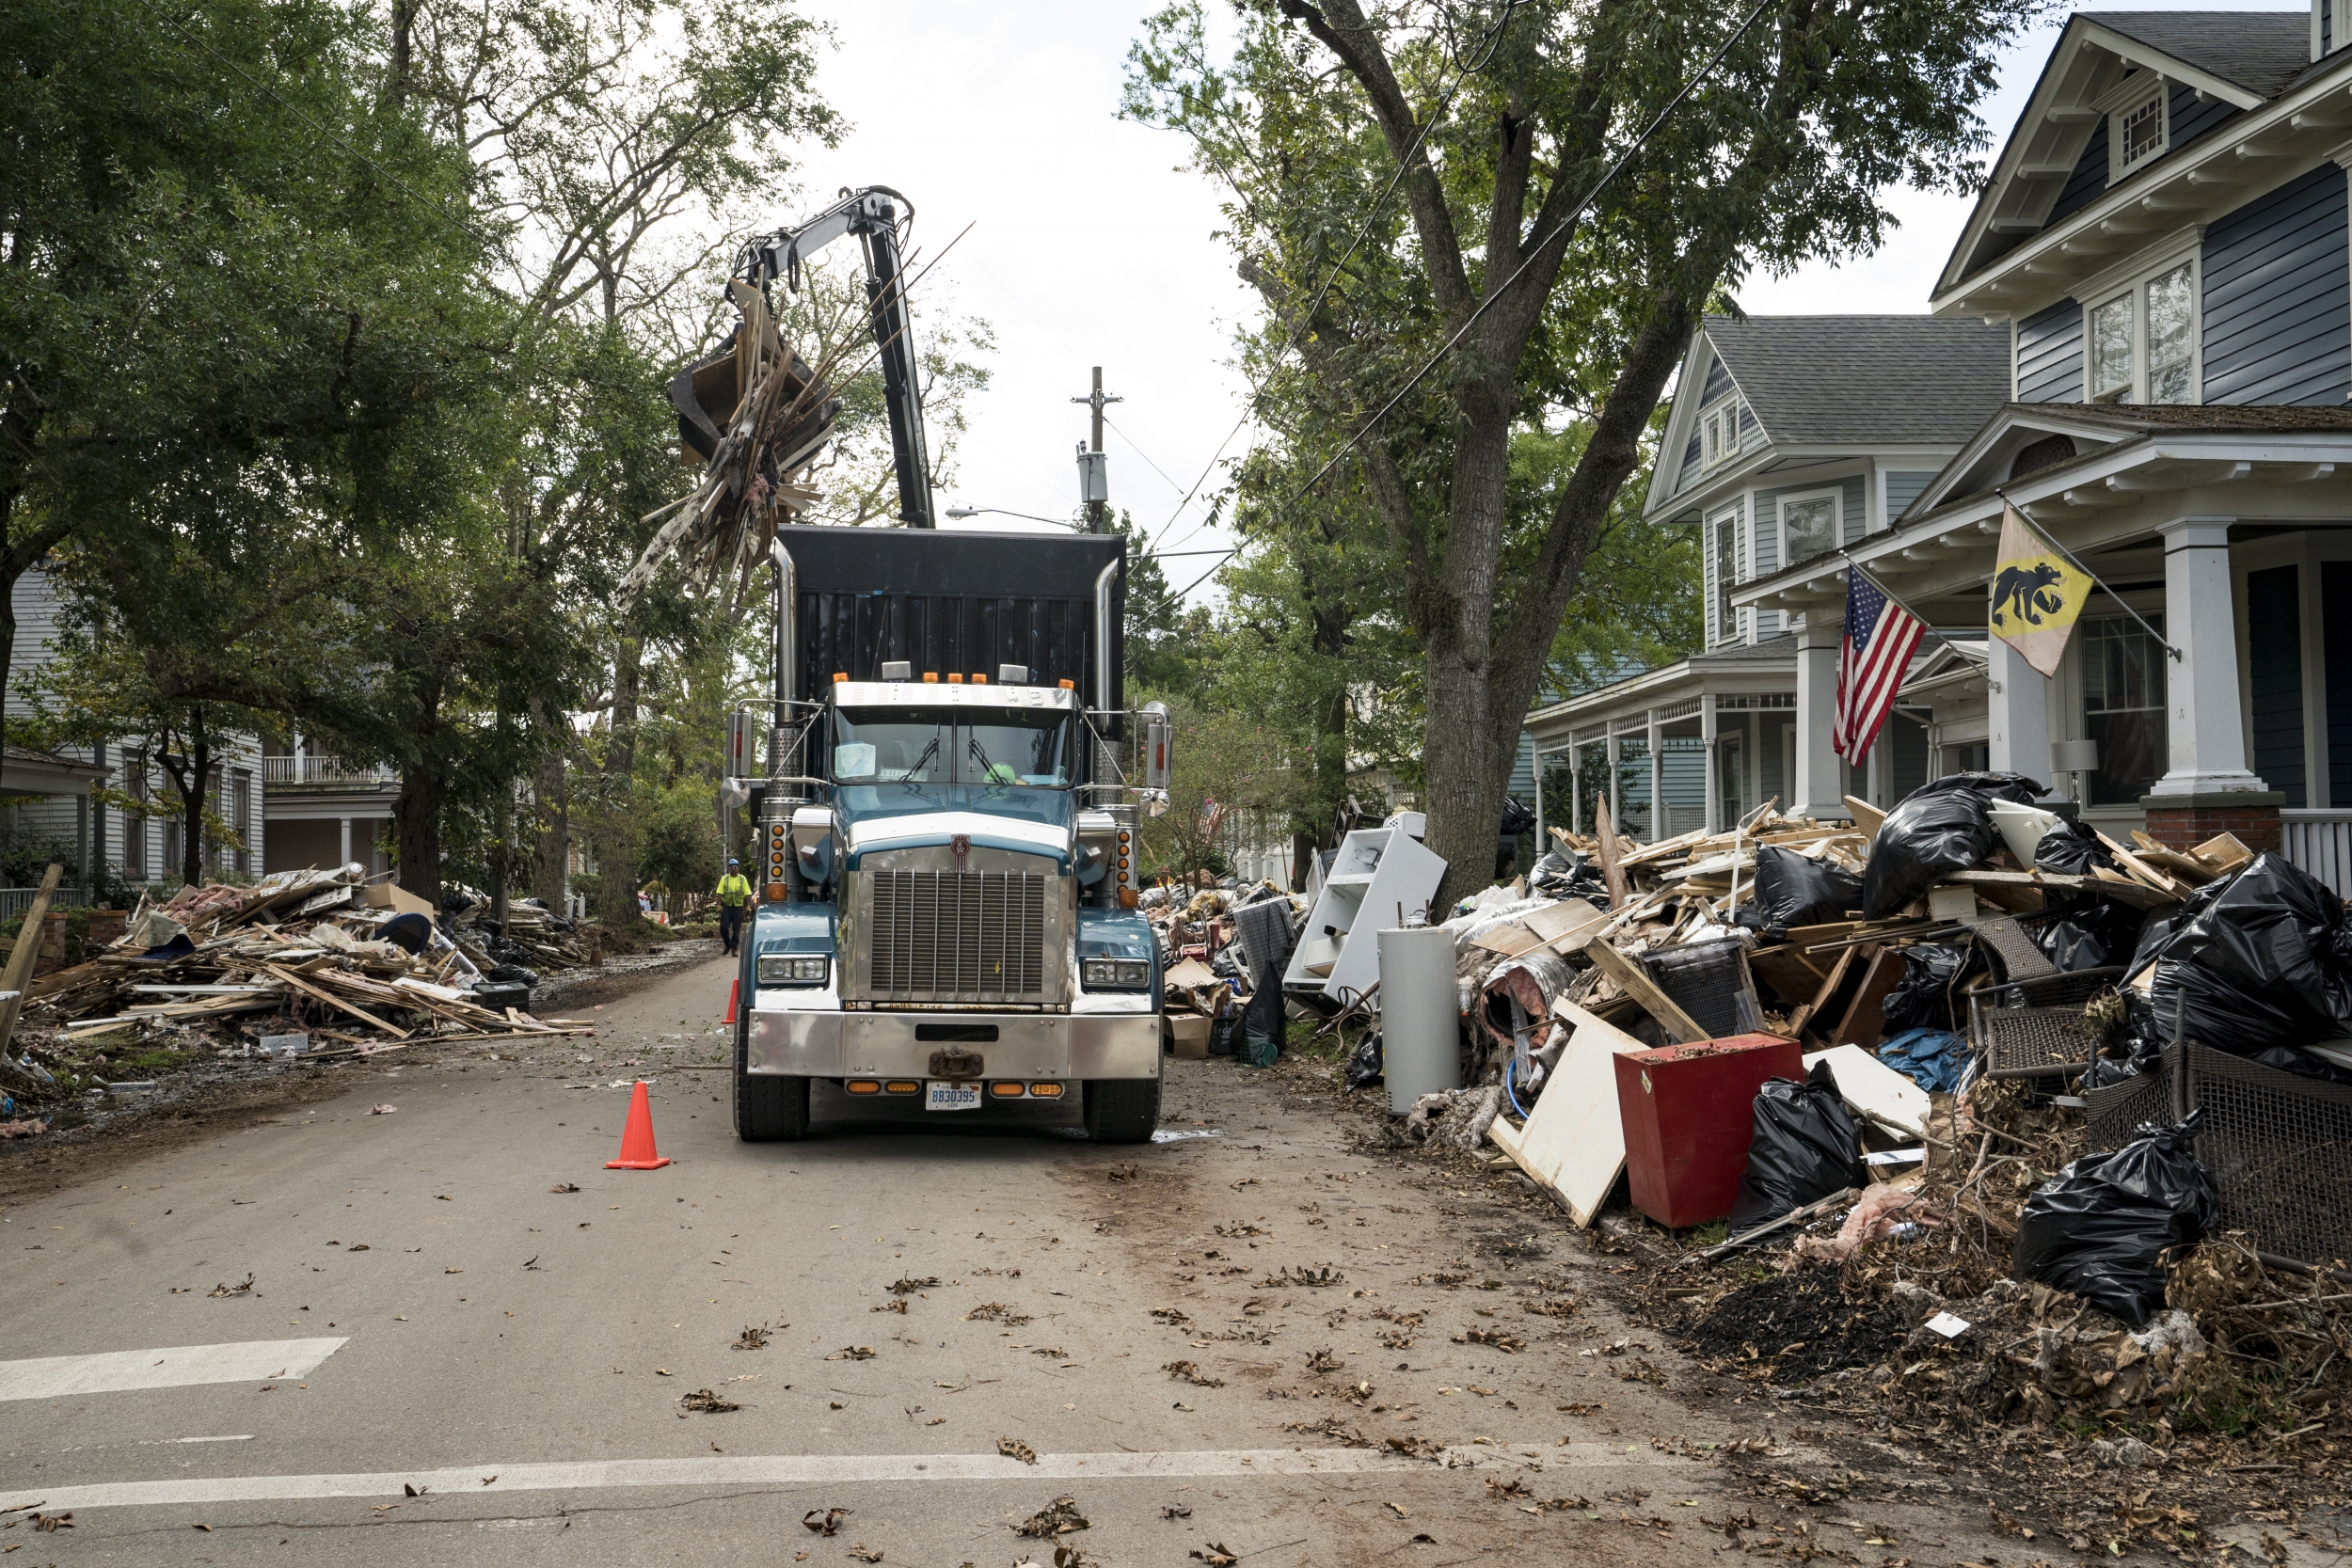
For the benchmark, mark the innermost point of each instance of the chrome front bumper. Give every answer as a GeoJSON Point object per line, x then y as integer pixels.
{"type": "Point", "coordinates": [884, 1045]}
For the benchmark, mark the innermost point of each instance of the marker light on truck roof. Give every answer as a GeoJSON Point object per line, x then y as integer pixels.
{"type": "Point", "coordinates": [1067, 686]}
{"type": "Point", "coordinates": [979, 680]}
{"type": "Point", "coordinates": [955, 680]}
{"type": "Point", "coordinates": [930, 677]}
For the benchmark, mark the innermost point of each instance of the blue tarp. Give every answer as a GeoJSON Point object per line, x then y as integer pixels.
{"type": "Point", "coordinates": [1928, 1057]}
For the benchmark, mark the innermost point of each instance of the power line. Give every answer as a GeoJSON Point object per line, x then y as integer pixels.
{"type": "Point", "coordinates": [430, 205]}
{"type": "Point", "coordinates": [1139, 452]}
{"type": "Point", "coordinates": [1536, 250]}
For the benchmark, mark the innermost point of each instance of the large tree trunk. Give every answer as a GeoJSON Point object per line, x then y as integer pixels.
{"type": "Point", "coordinates": [416, 810]}
{"type": "Point", "coordinates": [552, 818]}
{"type": "Point", "coordinates": [616, 849]}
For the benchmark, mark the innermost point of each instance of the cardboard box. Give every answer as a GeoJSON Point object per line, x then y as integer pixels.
{"type": "Point", "coordinates": [387, 896]}
{"type": "Point", "coordinates": [1187, 1034]}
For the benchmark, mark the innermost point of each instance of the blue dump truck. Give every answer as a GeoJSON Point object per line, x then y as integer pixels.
{"type": "Point", "coordinates": [946, 840]}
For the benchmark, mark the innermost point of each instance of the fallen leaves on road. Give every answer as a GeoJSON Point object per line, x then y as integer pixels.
{"type": "Point", "coordinates": [1058, 1517]}
{"type": "Point", "coordinates": [1415, 1447]}
{"type": "Point", "coordinates": [825, 1521]}
{"type": "Point", "coordinates": [356, 1246]}
{"type": "Point", "coordinates": [996, 1313]}
{"type": "Point", "coordinates": [1176, 1511]}
{"type": "Point", "coordinates": [565, 1187]}
{"type": "Point", "coordinates": [907, 1287]}
{"type": "Point", "coordinates": [206, 1528]}
{"type": "Point", "coordinates": [754, 1337]}
{"type": "Point", "coordinates": [1505, 1490]}
{"type": "Point", "coordinates": [1190, 1372]}
{"type": "Point", "coordinates": [1172, 1317]}
{"type": "Point", "coordinates": [1216, 1556]}
{"type": "Point", "coordinates": [453, 1271]}
{"type": "Point", "coordinates": [382, 1110]}
{"type": "Point", "coordinates": [1124, 1173]}
{"type": "Point", "coordinates": [1313, 1276]}
{"type": "Point", "coordinates": [1323, 1361]}
{"type": "Point", "coordinates": [412, 1489]}
{"type": "Point", "coordinates": [708, 1402]}
{"type": "Point", "coordinates": [487, 1479]}
{"type": "Point", "coordinates": [865, 1553]}
{"type": "Point", "coordinates": [53, 1521]}
{"type": "Point", "coordinates": [852, 1353]}
{"type": "Point", "coordinates": [900, 1306]}
{"type": "Point", "coordinates": [531, 1261]}
{"type": "Point", "coordinates": [1013, 1448]}
{"type": "Point", "coordinates": [244, 1287]}
{"type": "Point", "coordinates": [1508, 1344]}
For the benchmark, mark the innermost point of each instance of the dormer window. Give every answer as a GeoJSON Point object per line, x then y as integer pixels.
{"type": "Point", "coordinates": [2138, 130]}
{"type": "Point", "coordinates": [1719, 432]}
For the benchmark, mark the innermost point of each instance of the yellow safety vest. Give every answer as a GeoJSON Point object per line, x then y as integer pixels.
{"type": "Point", "coordinates": [734, 890]}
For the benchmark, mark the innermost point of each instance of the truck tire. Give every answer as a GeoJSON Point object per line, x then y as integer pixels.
{"type": "Point", "coordinates": [766, 1110]}
{"type": "Point", "coordinates": [1122, 1110]}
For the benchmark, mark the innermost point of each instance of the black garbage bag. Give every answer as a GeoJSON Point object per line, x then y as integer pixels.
{"type": "Point", "coordinates": [2286, 1058]}
{"type": "Point", "coordinates": [1557, 875]}
{"type": "Point", "coordinates": [2089, 931]}
{"type": "Point", "coordinates": [1797, 890]}
{"type": "Point", "coordinates": [2100, 1227]}
{"type": "Point", "coordinates": [2253, 961]}
{"type": "Point", "coordinates": [1924, 1000]}
{"type": "Point", "coordinates": [1365, 1063]}
{"type": "Point", "coordinates": [1804, 1146]}
{"type": "Point", "coordinates": [1937, 827]}
{"type": "Point", "coordinates": [2072, 847]}
{"type": "Point", "coordinates": [515, 975]}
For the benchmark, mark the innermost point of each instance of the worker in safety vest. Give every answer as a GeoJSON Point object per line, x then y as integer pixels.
{"type": "Point", "coordinates": [735, 895]}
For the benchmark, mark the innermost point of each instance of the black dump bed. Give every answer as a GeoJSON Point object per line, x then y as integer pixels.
{"type": "Point", "coordinates": [953, 603]}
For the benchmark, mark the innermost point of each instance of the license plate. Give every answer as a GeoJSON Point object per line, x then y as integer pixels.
{"type": "Point", "coordinates": [952, 1097]}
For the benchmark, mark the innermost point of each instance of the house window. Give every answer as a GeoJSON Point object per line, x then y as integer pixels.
{"type": "Point", "coordinates": [135, 821]}
{"type": "Point", "coordinates": [2123, 695]}
{"type": "Point", "coordinates": [1719, 432]}
{"type": "Point", "coordinates": [1726, 574]}
{"type": "Point", "coordinates": [2144, 342]}
{"type": "Point", "coordinates": [1808, 527]}
{"type": "Point", "coordinates": [2138, 130]}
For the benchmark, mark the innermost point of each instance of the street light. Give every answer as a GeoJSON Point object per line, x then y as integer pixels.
{"type": "Point", "coordinates": [959, 512]}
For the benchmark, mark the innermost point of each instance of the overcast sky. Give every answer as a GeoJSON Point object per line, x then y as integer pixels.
{"type": "Point", "coordinates": [1090, 244]}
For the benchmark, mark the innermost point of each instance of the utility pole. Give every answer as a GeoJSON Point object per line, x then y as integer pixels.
{"type": "Point", "coordinates": [1098, 508]}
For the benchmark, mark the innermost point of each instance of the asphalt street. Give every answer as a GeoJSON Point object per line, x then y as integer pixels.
{"type": "Point", "coordinates": [352, 1335]}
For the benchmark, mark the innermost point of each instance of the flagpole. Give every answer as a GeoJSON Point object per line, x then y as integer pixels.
{"type": "Point", "coordinates": [2068, 556]}
{"type": "Point", "coordinates": [1856, 567]}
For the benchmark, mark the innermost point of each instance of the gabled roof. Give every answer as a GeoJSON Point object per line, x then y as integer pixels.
{"type": "Point", "coordinates": [2259, 51]}
{"type": "Point", "coordinates": [1865, 380]}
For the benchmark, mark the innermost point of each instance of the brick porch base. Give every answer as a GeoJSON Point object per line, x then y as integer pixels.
{"type": "Point", "coordinates": [2178, 821]}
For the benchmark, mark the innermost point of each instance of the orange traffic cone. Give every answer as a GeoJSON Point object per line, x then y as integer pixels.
{"type": "Point", "coordinates": [637, 1151]}
{"type": "Point", "coordinates": [734, 992]}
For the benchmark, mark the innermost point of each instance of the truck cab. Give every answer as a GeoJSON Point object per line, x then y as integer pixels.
{"type": "Point", "coordinates": [949, 917]}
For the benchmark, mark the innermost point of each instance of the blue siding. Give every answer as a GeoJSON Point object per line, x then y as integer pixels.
{"type": "Point", "coordinates": [2277, 306]}
{"type": "Point", "coordinates": [1857, 510]}
{"type": "Point", "coordinates": [2050, 355]}
{"type": "Point", "coordinates": [1901, 490]}
{"type": "Point", "coordinates": [2335, 641]}
{"type": "Point", "coordinates": [1718, 382]}
{"type": "Point", "coordinates": [2191, 119]}
{"type": "Point", "coordinates": [2089, 179]}
{"type": "Point", "coordinates": [2274, 637]}
{"type": "Point", "coordinates": [2327, 30]}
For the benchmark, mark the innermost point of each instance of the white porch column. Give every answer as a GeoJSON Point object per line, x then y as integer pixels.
{"type": "Point", "coordinates": [2208, 734]}
{"type": "Point", "coordinates": [1713, 768]}
{"type": "Point", "coordinates": [2017, 714]}
{"type": "Point", "coordinates": [1815, 790]}
{"type": "Point", "coordinates": [1657, 781]}
{"type": "Point", "coordinates": [345, 823]}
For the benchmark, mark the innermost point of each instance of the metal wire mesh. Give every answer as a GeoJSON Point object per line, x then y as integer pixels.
{"type": "Point", "coordinates": [2013, 951]}
{"type": "Point", "coordinates": [2031, 1042]}
{"type": "Point", "coordinates": [1704, 979]}
{"type": "Point", "coordinates": [2112, 1113]}
{"type": "Point", "coordinates": [2281, 1147]}
{"type": "Point", "coordinates": [2071, 989]}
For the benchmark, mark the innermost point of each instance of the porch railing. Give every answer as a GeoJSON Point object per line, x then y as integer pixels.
{"type": "Point", "coordinates": [2320, 841]}
{"type": "Point", "coordinates": [315, 769]}
{"type": "Point", "coordinates": [16, 900]}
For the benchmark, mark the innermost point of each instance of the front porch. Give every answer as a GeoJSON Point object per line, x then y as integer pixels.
{"type": "Point", "coordinates": [2228, 532]}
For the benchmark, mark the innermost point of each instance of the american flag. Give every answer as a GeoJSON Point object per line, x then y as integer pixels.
{"type": "Point", "coordinates": [1871, 659]}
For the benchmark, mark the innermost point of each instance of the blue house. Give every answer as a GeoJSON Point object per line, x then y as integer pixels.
{"type": "Point", "coordinates": [2163, 241]}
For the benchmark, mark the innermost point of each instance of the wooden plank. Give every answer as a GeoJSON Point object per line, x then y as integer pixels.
{"type": "Point", "coordinates": [1865, 1022]}
{"type": "Point", "coordinates": [353, 1008]}
{"type": "Point", "coordinates": [2138, 867]}
{"type": "Point", "coordinates": [1573, 1146]}
{"type": "Point", "coordinates": [1793, 978]}
{"type": "Point", "coordinates": [1611, 871]}
{"type": "Point", "coordinates": [1635, 982]}
{"type": "Point", "coordinates": [1866, 816]}
{"type": "Point", "coordinates": [1510, 939]}
{"type": "Point", "coordinates": [26, 954]}
{"type": "Point", "coordinates": [2223, 852]}
{"type": "Point", "coordinates": [1830, 993]}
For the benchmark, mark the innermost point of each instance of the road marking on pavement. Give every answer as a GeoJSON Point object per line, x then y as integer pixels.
{"type": "Point", "coordinates": [170, 1366]}
{"type": "Point", "coordinates": [797, 1469]}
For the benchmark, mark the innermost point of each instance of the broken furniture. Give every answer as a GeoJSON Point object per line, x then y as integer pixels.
{"type": "Point", "coordinates": [1687, 1112]}
{"type": "Point", "coordinates": [1380, 877]}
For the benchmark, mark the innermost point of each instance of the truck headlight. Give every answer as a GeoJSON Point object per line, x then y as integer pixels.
{"type": "Point", "coordinates": [1116, 974]}
{"type": "Point", "coordinates": [793, 969]}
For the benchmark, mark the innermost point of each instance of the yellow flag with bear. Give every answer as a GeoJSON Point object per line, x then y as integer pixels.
{"type": "Point", "coordinates": [2038, 593]}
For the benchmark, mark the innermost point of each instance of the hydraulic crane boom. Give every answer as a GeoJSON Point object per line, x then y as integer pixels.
{"type": "Point", "coordinates": [872, 214]}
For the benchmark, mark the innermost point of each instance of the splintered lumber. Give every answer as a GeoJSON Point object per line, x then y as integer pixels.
{"type": "Point", "coordinates": [1865, 815]}
{"type": "Point", "coordinates": [1612, 873]}
{"type": "Point", "coordinates": [2139, 868]}
{"type": "Point", "coordinates": [26, 954]}
{"type": "Point", "coordinates": [1635, 982]}
{"type": "Point", "coordinates": [333, 1001]}
{"type": "Point", "coordinates": [1813, 1209]}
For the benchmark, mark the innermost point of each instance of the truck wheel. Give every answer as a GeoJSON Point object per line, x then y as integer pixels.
{"type": "Point", "coordinates": [1122, 1110]}
{"type": "Point", "coordinates": [766, 1110]}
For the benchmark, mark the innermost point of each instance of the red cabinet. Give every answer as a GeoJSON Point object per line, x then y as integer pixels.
{"type": "Point", "coordinates": [1688, 1113]}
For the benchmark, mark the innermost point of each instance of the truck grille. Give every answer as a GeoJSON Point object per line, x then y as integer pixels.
{"type": "Point", "coordinates": [956, 935]}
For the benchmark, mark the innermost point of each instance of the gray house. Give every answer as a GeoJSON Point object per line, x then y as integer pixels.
{"type": "Point", "coordinates": [1788, 439]}
{"type": "Point", "coordinates": [2163, 242]}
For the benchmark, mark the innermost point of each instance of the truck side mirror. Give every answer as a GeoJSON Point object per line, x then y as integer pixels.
{"type": "Point", "coordinates": [742, 746]}
{"type": "Point", "coordinates": [1159, 755]}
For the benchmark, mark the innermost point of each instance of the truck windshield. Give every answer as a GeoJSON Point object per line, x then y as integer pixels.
{"type": "Point", "coordinates": [942, 746]}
